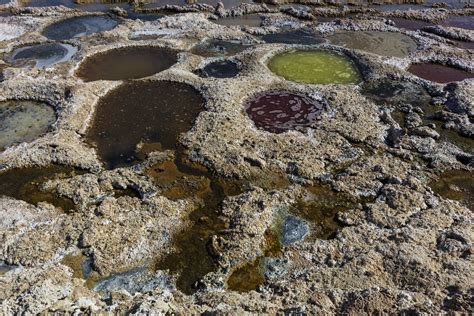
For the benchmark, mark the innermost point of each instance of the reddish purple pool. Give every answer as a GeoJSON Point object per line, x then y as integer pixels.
{"type": "Point", "coordinates": [278, 111]}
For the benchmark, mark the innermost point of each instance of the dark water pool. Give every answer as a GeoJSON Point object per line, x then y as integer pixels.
{"type": "Point", "coordinates": [220, 69]}
{"type": "Point", "coordinates": [439, 73]}
{"type": "Point", "coordinates": [147, 111]}
{"type": "Point", "coordinates": [43, 55]}
{"type": "Point", "coordinates": [79, 26]}
{"type": "Point", "coordinates": [302, 36]}
{"type": "Point", "coordinates": [127, 63]}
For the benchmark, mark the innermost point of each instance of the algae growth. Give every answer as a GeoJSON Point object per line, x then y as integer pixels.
{"type": "Point", "coordinates": [315, 66]}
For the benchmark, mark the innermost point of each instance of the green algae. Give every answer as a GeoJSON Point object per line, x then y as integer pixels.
{"type": "Point", "coordinates": [315, 66]}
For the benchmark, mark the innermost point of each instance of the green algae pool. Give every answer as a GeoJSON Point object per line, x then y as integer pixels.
{"type": "Point", "coordinates": [315, 66]}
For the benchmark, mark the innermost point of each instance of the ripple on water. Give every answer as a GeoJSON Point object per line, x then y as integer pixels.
{"type": "Point", "coordinates": [439, 73]}
{"type": "Point", "coordinates": [43, 55]}
{"type": "Point", "coordinates": [315, 66]}
{"type": "Point", "coordinates": [142, 112]}
{"type": "Point", "coordinates": [79, 26]}
{"type": "Point", "coordinates": [280, 111]}
{"type": "Point", "coordinates": [127, 63]}
{"type": "Point", "coordinates": [381, 43]}
{"type": "Point", "coordinates": [24, 121]}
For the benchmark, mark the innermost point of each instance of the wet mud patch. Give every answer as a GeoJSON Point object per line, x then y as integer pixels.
{"type": "Point", "coordinates": [220, 69]}
{"type": "Point", "coordinates": [301, 36]}
{"type": "Point", "coordinates": [127, 63]}
{"type": "Point", "coordinates": [377, 42]}
{"type": "Point", "coordinates": [281, 111]}
{"type": "Point", "coordinates": [24, 121]}
{"type": "Point", "coordinates": [219, 48]}
{"type": "Point", "coordinates": [78, 27]}
{"type": "Point", "coordinates": [142, 112]}
{"type": "Point", "coordinates": [315, 66]}
{"type": "Point", "coordinates": [252, 20]}
{"type": "Point", "coordinates": [439, 73]}
{"type": "Point", "coordinates": [26, 184]}
{"type": "Point", "coordinates": [455, 185]}
{"type": "Point", "coordinates": [43, 55]}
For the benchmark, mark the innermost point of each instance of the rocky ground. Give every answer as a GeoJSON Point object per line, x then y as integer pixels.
{"type": "Point", "coordinates": [400, 247]}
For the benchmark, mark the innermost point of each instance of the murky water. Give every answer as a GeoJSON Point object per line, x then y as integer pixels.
{"type": "Point", "coordinates": [79, 26]}
{"type": "Point", "coordinates": [439, 73]}
{"type": "Point", "coordinates": [26, 184]}
{"type": "Point", "coordinates": [217, 48]}
{"type": "Point", "coordinates": [456, 185]}
{"type": "Point", "coordinates": [43, 55]}
{"type": "Point", "coordinates": [381, 43]}
{"type": "Point", "coordinates": [220, 69]}
{"type": "Point", "coordinates": [252, 20]}
{"type": "Point", "coordinates": [302, 36]}
{"type": "Point", "coordinates": [461, 21]}
{"type": "Point", "coordinates": [191, 259]}
{"type": "Point", "coordinates": [146, 111]}
{"type": "Point", "coordinates": [127, 63]}
{"type": "Point", "coordinates": [24, 121]}
{"type": "Point", "coordinates": [315, 66]}
{"type": "Point", "coordinates": [409, 24]}
{"type": "Point", "coordinates": [280, 111]}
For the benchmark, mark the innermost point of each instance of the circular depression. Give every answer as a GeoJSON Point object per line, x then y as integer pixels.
{"type": "Point", "coordinates": [127, 63]}
{"type": "Point", "coordinates": [43, 55]}
{"type": "Point", "coordinates": [79, 26]}
{"type": "Point", "coordinates": [439, 73]}
{"type": "Point", "coordinates": [24, 121]}
{"type": "Point", "coordinates": [315, 66]}
{"type": "Point", "coordinates": [381, 43]}
{"type": "Point", "coordinates": [149, 112]}
{"type": "Point", "coordinates": [280, 111]}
